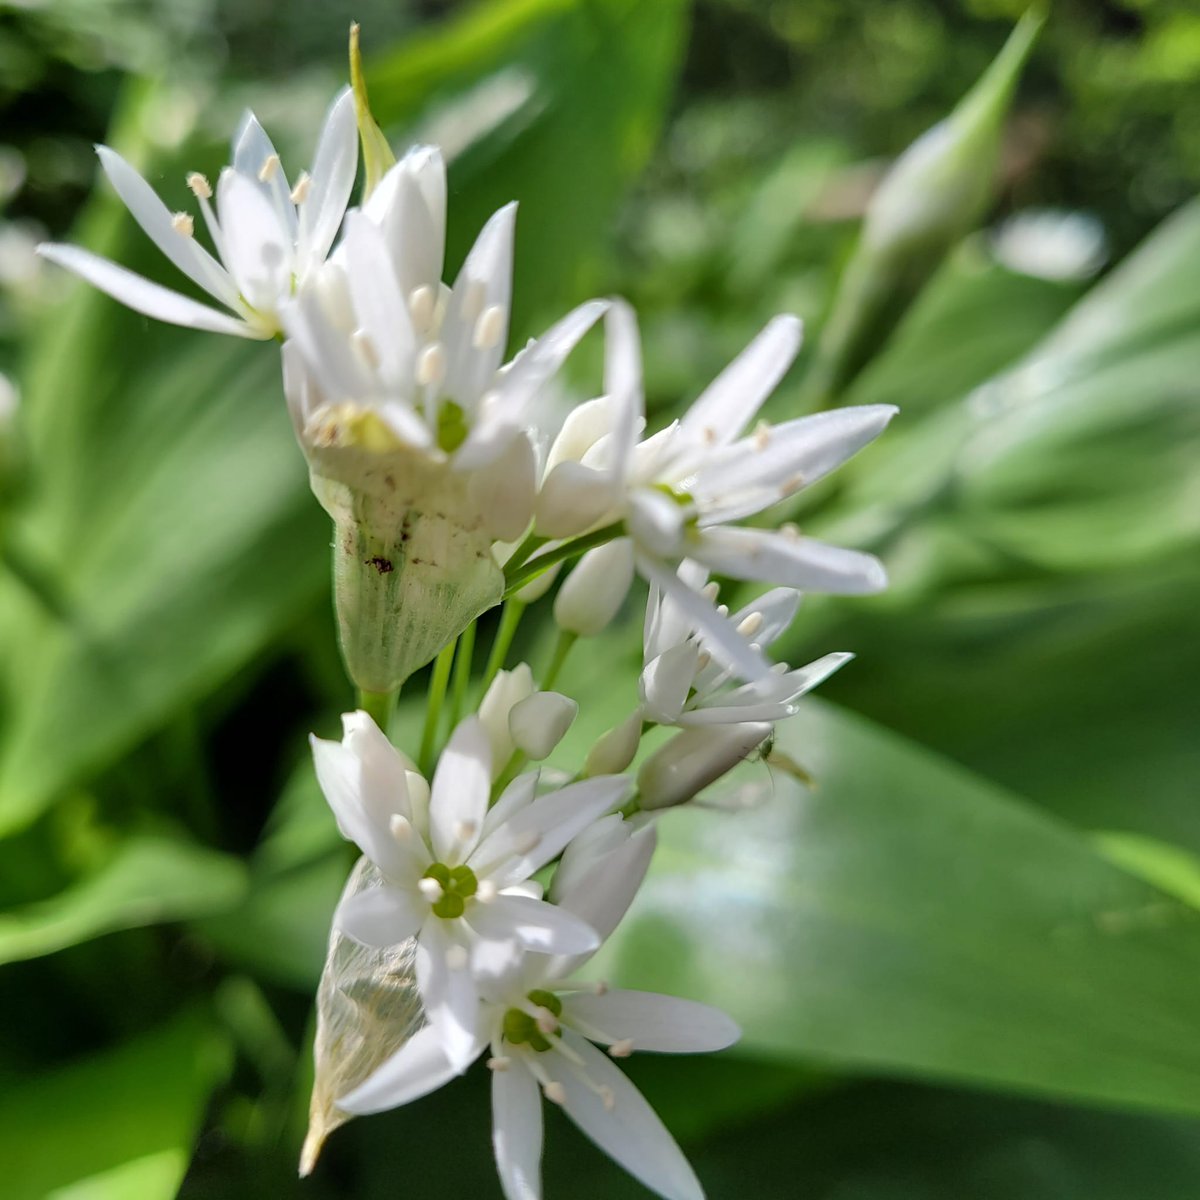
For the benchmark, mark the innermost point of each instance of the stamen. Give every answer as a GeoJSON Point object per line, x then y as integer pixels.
{"type": "Point", "coordinates": [755, 648]}
{"type": "Point", "coordinates": [430, 889]}
{"type": "Point", "coordinates": [182, 223]}
{"type": "Point", "coordinates": [791, 485]}
{"type": "Point", "coordinates": [200, 186]}
{"type": "Point", "coordinates": [722, 610]}
{"type": "Point", "coordinates": [607, 1098]}
{"type": "Point", "coordinates": [710, 591]}
{"type": "Point", "coordinates": [473, 298]}
{"type": "Point", "coordinates": [555, 1092]}
{"type": "Point", "coordinates": [751, 625]}
{"type": "Point", "coordinates": [547, 1022]}
{"type": "Point", "coordinates": [791, 531]}
{"type": "Point", "coordinates": [621, 1049]}
{"type": "Point", "coordinates": [400, 829]}
{"type": "Point", "coordinates": [499, 1064]}
{"type": "Point", "coordinates": [431, 365]}
{"type": "Point", "coordinates": [465, 830]}
{"type": "Point", "coordinates": [486, 892]}
{"type": "Point", "coordinates": [302, 188]}
{"type": "Point", "coordinates": [456, 958]}
{"type": "Point", "coordinates": [762, 435]}
{"type": "Point", "coordinates": [703, 661]}
{"type": "Point", "coordinates": [366, 347]}
{"type": "Point", "coordinates": [267, 171]}
{"type": "Point", "coordinates": [708, 434]}
{"type": "Point", "coordinates": [489, 328]}
{"type": "Point", "coordinates": [779, 668]}
{"type": "Point", "coordinates": [421, 306]}
{"type": "Point", "coordinates": [600, 987]}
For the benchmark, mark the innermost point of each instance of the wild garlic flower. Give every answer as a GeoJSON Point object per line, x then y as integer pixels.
{"type": "Point", "coordinates": [269, 235]}
{"type": "Point", "coordinates": [679, 493]}
{"type": "Point", "coordinates": [688, 681]}
{"type": "Point", "coordinates": [456, 873]}
{"type": "Point", "coordinates": [543, 1032]}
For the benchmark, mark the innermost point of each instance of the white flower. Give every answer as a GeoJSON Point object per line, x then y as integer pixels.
{"type": "Point", "coordinates": [541, 1033]}
{"type": "Point", "coordinates": [687, 680]}
{"type": "Point", "coordinates": [455, 872]}
{"type": "Point", "coordinates": [269, 236]}
{"type": "Point", "coordinates": [679, 491]}
{"type": "Point", "coordinates": [1052, 244]}
{"type": "Point", "coordinates": [683, 767]}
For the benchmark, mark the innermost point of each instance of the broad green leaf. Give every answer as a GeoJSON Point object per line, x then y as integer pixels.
{"type": "Point", "coordinates": [1169, 868]}
{"type": "Point", "coordinates": [116, 1126]}
{"type": "Point", "coordinates": [149, 880]}
{"type": "Point", "coordinates": [906, 917]}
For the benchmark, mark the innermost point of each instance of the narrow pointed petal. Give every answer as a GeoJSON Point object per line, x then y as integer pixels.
{"type": "Point", "coordinates": [630, 1132]}
{"type": "Point", "coordinates": [733, 399]}
{"type": "Point", "coordinates": [143, 296]}
{"type": "Point", "coordinates": [409, 206]}
{"type": "Point", "coordinates": [666, 625]}
{"type": "Point", "coordinates": [538, 926]}
{"type": "Point", "coordinates": [538, 833]}
{"type": "Point", "coordinates": [325, 347]}
{"type": "Point", "coordinates": [776, 608]}
{"type": "Point", "coordinates": [703, 615]}
{"type": "Point", "coordinates": [380, 916]}
{"type": "Point", "coordinates": [623, 383]}
{"type": "Point", "coordinates": [664, 1024]}
{"type": "Point", "coordinates": [379, 306]}
{"type": "Point", "coordinates": [383, 778]}
{"type": "Point", "coordinates": [517, 1131]}
{"type": "Point", "coordinates": [253, 151]}
{"type": "Point", "coordinates": [418, 1068]}
{"type": "Point", "coordinates": [335, 164]}
{"type": "Point", "coordinates": [258, 246]}
{"type": "Point", "coordinates": [448, 994]}
{"type": "Point", "coordinates": [789, 559]}
{"type": "Point", "coordinates": [518, 795]}
{"type": "Point", "coordinates": [156, 220]}
{"type": "Point", "coordinates": [572, 500]}
{"type": "Point", "coordinates": [505, 489]}
{"type": "Point", "coordinates": [666, 682]}
{"type": "Point", "coordinates": [459, 798]}
{"type": "Point", "coordinates": [655, 521]}
{"type": "Point", "coordinates": [483, 285]}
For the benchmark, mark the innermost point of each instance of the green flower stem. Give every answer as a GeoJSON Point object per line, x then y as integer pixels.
{"type": "Point", "coordinates": [566, 639]}
{"type": "Point", "coordinates": [510, 618]}
{"type": "Point", "coordinates": [379, 706]}
{"type": "Point", "coordinates": [518, 574]}
{"type": "Point", "coordinates": [521, 554]}
{"type": "Point", "coordinates": [433, 707]}
{"type": "Point", "coordinates": [462, 673]}
{"type": "Point", "coordinates": [511, 770]}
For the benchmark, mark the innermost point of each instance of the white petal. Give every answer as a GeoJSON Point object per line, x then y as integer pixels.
{"type": "Point", "coordinates": [585, 425]}
{"type": "Point", "coordinates": [664, 1024]}
{"type": "Point", "coordinates": [383, 781]}
{"type": "Point", "coordinates": [623, 382]}
{"type": "Point", "coordinates": [259, 252]}
{"type": "Point", "coordinates": [666, 682]}
{"type": "Point", "coordinates": [251, 150]}
{"type": "Point", "coordinates": [630, 1133]}
{"type": "Point", "coordinates": [694, 758]}
{"type": "Point", "coordinates": [419, 1067]}
{"type": "Point", "coordinates": [517, 1131]}
{"type": "Point", "coordinates": [536, 834]}
{"type": "Point", "coordinates": [458, 801]}
{"type": "Point", "coordinates": [326, 347]}
{"type": "Point", "coordinates": [540, 722]}
{"type": "Point", "coordinates": [158, 222]}
{"type": "Point", "coordinates": [776, 609]}
{"type": "Point", "coordinates": [334, 167]}
{"type": "Point", "coordinates": [655, 521]}
{"type": "Point", "coordinates": [666, 624]}
{"type": "Point", "coordinates": [409, 205]}
{"type": "Point", "coordinates": [505, 489]}
{"type": "Point", "coordinates": [485, 282]}
{"type": "Point", "coordinates": [448, 993]}
{"type": "Point", "coordinates": [143, 296]}
{"type": "Point", "coordinates": [379, 306]}
{"type": "Point", "coordinates": [573, 498]}
{"type": "Point", "coordinates": [800, 562]}
{"type": "Point", "coordinates": [518, 795]}
{"type": "Point", "coordinates": [703, 615]}
{"type": "Point", "coordinates": [731, 401]}
{"type": "Point", "coordinates": [538, 926]}
{"type": "Point", "coordinates": [507, 689]}
{"type": "Point", "coordinates": [592, 594]}
{"type": "Point", "coordinates": [380, 916]}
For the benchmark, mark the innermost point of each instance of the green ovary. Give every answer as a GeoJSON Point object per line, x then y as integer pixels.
{"type": "Point", "coordinates": [458, 886]}
{"type": "Point", "coordinates": [520, 1029]}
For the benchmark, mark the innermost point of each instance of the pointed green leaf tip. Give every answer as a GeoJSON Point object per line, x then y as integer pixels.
{"type": "Point", "coordinates": [377, 154]}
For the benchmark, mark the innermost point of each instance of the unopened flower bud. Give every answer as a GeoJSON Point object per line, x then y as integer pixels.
{"type": "Point", "coordinates": [573, 499]}
{"type": "Point", "coordinates": [615, 750]}
{"type": "Point", "coordinates": [693, 759]}
{"type": "Point", "coordinates": [595, 590]}
{"type": "Point", "coordinates": [539, 722]}
{"type": "Point", "coordinates": [507, 690]}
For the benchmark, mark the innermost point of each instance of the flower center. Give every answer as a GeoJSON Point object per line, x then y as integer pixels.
{"type": "Point", "coordinates": [452, 426]}
{"type": "Point", "coordinates": [521, 1028]}
{"type": "Point", "coordinates": [458, 886]}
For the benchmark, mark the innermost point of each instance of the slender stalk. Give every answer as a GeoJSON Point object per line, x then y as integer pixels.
{"type": "Point", "coordinates": [379, 706]}
{"type": "Point", "coordinates": [566, 639]}
{"type": "Point", "coordinates": [510, 618]}
{"type": "Point", "coordinates": [530, 545]}
{"type": "Point", "coordinates": [433, 707]}
{"type": "Point", "coordinates": [518, 574]}
{"type": "Point", "coordinates": [462, 673]}
{"type": "Point", "coordinates": [511, 770]}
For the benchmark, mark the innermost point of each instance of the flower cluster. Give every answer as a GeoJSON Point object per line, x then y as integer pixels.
{"type": "Point", "coordinates": [453, 491]}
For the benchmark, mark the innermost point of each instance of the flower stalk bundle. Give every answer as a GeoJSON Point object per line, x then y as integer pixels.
{"type": "Point", "coordinates": [488, 877]}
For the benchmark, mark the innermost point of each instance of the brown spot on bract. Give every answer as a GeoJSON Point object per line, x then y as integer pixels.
{"type": "Point", "coordinates": [381, 564]}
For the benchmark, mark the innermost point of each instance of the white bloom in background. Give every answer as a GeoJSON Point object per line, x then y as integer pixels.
{"type": "Point", "coordinates": [1054, 244]}
{"type": "Point", "coordinates": [688, 681]}
{"type": "Point", "coordinates": [269, 235]}
{"type": "Point", "coordinates": [456, 873]}
{"type": "Point", "coordinates": [504, 693]}
{"type": "Point", "coordinates": [539, 722]}
{"type": "Point", "coordinates": [680, 491]}
{"type": "Point", "coordinates": [543, 1035]}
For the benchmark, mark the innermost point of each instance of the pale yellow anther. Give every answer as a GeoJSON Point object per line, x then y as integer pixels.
{"type": "Point", "coordinates": [464, 831]}
{"type": "Point", "coordinates": [791, 531]}
{"type": "Point", "coordinates": [182, 223]}
{"type": "Point", "coordinates": [199, 185]}
{"type": "Point", "coordinates": [600, 987]}
{"type": "Point", "coordinates": [421, 304]}
{"type": "Point", "coordinates": [703, 661]}
{"type": "Point", "coordinates": [267, 171]}
{"type": "Point", "coordinates": [751, 624]}
{"type": "Point", "coordinates": [400, 829]}
{"type": "Point", "coordinates": [621, 1049]}
{"type": "Point", "coordinates": [607, 1098]}
{"type": "Point", "coordinates": [302, 188]}
{"type": "Point", "coordinates": [709, 434]}
{"type": "Point", "coordinates": [486, 891]}
{"type": "Point", "coordinates": [710, 591]}
{"type": "Point", "coordinates": [489, 328]}
{"type": "Point", "coordinates": [722, 610]}
{"type": "Point", "coordinates": [499, 1064]}
{"type": "Point", "coordinates": [431, 366]}
{"type": "Point", "coordinates": [555, 1092]}
{"type": "Point", "coordinates": [762, 435]}
{"type": "Point", "coordinates": [366, 348]}
{"type": "Point", "coordinates": [430, 889]}
{"type": "Point", "coordinates": [791, 486]}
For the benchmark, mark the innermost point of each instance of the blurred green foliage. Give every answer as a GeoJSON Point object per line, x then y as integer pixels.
{"type": "Point", "coordinates": [994, 881]}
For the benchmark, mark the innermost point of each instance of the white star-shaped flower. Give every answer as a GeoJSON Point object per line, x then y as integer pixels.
{"type": "Point", "coordinates": [456, 874]}
{"type": "Point", "coordinates": [269, 235]}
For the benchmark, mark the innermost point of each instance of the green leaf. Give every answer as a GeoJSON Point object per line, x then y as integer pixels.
{"type": "Point", "coordinates": [148, 881]}
{"type": "Point", "coordinates": [116, 1126]}
{"type": "Point", "coordinates": [1169, 868]}
{"type": "Point", "coordinates": [909, 918]}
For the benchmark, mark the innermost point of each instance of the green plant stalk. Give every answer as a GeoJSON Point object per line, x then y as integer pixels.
{"type": "Point", "coordinates": [438, 681]}
{"type": "Point", "coordinates": [510, 618]}
{"type": "Point", "coordinates": [517, 577]}
{"type": "Point", "coordinates": [379, 706]}
{"type": "Point", "coordinates": [461, 679]}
